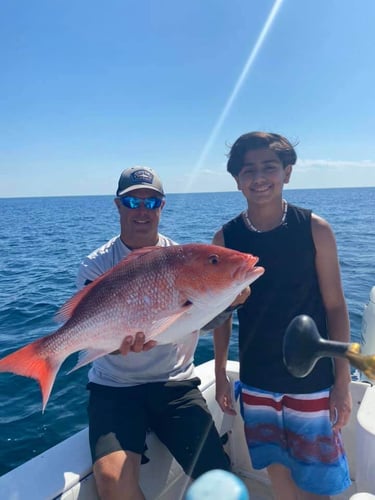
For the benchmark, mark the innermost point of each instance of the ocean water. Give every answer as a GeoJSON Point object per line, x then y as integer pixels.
{"type": "Point", "coordinates": [44, 239]}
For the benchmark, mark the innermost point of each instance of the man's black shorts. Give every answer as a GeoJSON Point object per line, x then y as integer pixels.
{"type": "Point", "coordinates": [119, 418]}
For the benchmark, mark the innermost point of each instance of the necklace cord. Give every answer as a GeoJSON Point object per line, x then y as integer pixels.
{"type": "Point", "coordinates": [251, 226]}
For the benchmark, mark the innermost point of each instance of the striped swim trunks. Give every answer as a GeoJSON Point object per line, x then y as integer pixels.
{"type": "Point", "coordinates": [295, 430]}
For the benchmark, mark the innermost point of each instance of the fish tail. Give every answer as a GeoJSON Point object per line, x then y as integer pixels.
{"type": "Point", "coordinates": [29, 361]}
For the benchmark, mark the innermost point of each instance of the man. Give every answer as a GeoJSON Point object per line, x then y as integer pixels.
{"type": "Point", "coordinates": [292, 425]}
{"type": "Point", "coordinates": [146, 385]}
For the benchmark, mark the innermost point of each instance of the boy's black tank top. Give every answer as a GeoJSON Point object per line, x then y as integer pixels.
{"type": "Point", "coordinates": [288, 287]}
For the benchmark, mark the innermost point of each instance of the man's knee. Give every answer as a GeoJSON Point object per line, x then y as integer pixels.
{"type": "Point", "coordinates": [117, 476]}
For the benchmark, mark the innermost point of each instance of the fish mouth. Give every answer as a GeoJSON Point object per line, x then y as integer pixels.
{"type": "Point", "coordinates": [256, 273]}
{"type": "Point", "coordinates": [248, 275]}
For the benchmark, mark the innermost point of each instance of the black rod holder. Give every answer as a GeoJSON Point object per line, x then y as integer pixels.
{"type": "Point", "coordinates": [303, 346]}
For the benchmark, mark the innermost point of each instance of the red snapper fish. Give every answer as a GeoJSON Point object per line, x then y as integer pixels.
{"type": "Point", "coordinates": [165, 292]}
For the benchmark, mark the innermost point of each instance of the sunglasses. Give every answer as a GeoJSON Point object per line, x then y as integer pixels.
{"type": "Point", "coordinates": [149, 203]}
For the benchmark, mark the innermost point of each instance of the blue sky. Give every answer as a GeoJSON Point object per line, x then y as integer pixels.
{"type": "Point", "coordinates": [88, 88]}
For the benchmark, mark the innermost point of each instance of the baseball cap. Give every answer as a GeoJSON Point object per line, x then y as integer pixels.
{"type": "Point", "coordinates": [139, 177]}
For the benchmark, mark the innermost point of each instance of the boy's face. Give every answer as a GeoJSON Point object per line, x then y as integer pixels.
{"type": "Point", "coordinates": [262, 175]}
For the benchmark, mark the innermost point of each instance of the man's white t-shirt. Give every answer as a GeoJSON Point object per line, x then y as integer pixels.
{"type": "Point", "coordinates": [161, 363]}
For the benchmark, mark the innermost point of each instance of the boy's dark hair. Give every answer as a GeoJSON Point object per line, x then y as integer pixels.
{"type": "Point", "coordinates": [259, 140]}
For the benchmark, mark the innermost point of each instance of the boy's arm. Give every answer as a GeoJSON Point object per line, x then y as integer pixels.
{"type": "Point", "coordinates": [328, 270]}
{"type": "Point", "coordinates": [221, 345]}
{"type": "Point", "coordinates": [223, 387]}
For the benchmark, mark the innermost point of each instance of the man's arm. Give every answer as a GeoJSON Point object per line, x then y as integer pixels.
{"type": "Point", "coordinates": [328, 270]}
{"type": "Point", "coordinates": [227, 313]}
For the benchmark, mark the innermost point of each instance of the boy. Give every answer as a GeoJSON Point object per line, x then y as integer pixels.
{"type": "Point", "coordinates": [292, 425]}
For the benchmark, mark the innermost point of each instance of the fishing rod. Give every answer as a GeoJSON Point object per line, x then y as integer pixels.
{"type": "Point", "coordinates": [303, 346]}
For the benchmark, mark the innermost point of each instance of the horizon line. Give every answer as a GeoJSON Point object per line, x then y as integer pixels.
{"type": "Point", "coordinates": [179, 193]}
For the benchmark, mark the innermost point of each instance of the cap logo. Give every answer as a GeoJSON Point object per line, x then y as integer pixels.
{"type": "Point", "coordinates": [142, 176]}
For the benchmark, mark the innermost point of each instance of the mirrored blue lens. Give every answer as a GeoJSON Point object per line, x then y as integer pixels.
{"type": "Point", "coordinates": [133, 202]}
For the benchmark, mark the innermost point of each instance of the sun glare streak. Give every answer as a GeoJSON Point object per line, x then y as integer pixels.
{"type": "Point", "coordinates": [235, 91]}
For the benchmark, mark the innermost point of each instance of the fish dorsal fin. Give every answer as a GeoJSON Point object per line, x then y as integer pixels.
{"type": "Point", "coordinates": [67, 309]}
{"type": "Point", "coordinates": [135, 254]}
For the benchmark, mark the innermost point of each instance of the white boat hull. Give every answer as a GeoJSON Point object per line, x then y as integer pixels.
{"type": "Point", "coordinates": [368, 325]}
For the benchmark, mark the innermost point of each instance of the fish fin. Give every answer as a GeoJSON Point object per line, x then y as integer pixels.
{"type": "Point", "coordinates": [159, 326]}
{"type": "Point", "coordinates": [67, 309]}
{"type": "Point", "coordinates": [135, 254]}
{"type": "Point", "coordinates": [28, 362]}
{"type": "Point", "coordinates": [86, 356]}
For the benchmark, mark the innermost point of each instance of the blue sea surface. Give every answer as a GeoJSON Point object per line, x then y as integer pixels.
{"type": "Point", "coordinates": [43, 241]}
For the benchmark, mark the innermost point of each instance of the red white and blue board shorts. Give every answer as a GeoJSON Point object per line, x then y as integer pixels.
{"type": "Point", "coordinates": [295, 430]}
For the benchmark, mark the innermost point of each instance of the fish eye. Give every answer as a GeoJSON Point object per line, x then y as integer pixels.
{"type": "Point", "coordinates": [213, 259]}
